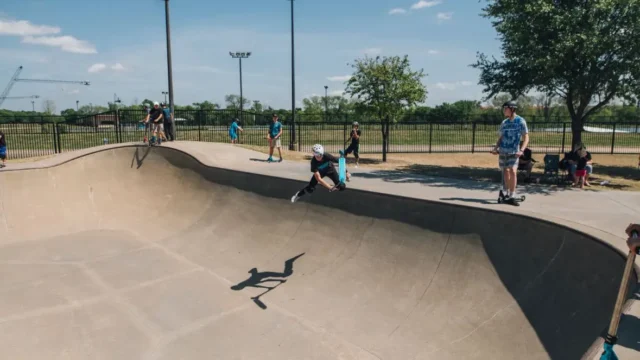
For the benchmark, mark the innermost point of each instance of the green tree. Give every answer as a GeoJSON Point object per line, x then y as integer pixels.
{"type": "Point", "coordinates": [233, 102]}
{"type": "Point", "coordinates": [586, 52]}
{"type": "Point", "coordinates": [384, 87]}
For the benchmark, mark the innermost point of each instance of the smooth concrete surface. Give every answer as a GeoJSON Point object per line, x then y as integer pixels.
{"type": "Point", "coordinates": [155, 253]}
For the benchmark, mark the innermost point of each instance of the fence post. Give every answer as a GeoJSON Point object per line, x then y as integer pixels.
{"type": "Point", "coordinates": [59, 139]}
{"type": "Point", "coordinates": [473, 138]}
{"type": "Point", "coordinates": [564, 131]}
{"type": "Point", "coordinates": [299, 128]}
{"type": "Point", "coordinates": [430, 135]}
{"type": "Point", "coordinates": [55, 137]}
{"type": "Point", "coordinates": [200, 122]}
{"type": "Point", "coordinates": [118, 134]}
{"type": "Point", "coordinates": [613, 137]}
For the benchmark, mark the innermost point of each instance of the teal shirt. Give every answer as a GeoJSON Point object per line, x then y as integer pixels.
{"type": "Point", "coordinates": [274, 128]}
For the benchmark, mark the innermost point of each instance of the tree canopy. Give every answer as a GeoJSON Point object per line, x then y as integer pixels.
{"type": "Point", "coordinates": [585, 52]}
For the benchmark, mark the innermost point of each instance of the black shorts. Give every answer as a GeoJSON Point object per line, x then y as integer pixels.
{"type": "Point", "coordinates": [353, 148]}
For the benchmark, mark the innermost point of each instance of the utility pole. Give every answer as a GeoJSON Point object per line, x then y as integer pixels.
{"type": "Point", "coordinates": [165, 96]}
{"type": "Point", "coordinates": [77, 105]}
{"type": "Point", "coordinates": [33, 106]}
{"type": "Point", "coordinates": [293, 86]}
{"type": "Point", "coordinates": [169, 67]}
{"type": "Point", "coordinates": [240, 56]}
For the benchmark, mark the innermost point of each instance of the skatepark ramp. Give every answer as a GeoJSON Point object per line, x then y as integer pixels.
{"type": "Point", "coordinates": [145, 253]}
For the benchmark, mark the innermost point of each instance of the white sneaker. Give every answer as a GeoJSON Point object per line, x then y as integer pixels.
{"type": "Point", "coordinates": [295, 198]}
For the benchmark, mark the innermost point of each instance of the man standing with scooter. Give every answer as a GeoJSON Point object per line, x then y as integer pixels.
{"type": "Point", "coordinates": [513, 132]}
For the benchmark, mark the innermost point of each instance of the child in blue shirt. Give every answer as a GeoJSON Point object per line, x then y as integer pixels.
{"type": "Point", "coordinates": [275, 131]}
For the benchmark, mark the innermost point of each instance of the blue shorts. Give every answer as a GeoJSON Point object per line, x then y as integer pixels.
{"type": "Point", "coordinates": [3, 152]}
{"type": "Point", "coordinates": [233, 136]}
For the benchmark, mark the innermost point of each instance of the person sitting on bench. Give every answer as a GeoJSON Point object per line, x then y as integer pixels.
{"type": "Point", "coordinates": [526, 161]}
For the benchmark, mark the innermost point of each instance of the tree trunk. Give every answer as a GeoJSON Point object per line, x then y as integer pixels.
{"type": "Point", "coordinates": [385, 139]}
{"type": "Point", "coordinates": [576, 132]}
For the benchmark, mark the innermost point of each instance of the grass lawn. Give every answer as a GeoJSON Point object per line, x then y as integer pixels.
{"type": "Point", "coordinates": [620, 171]}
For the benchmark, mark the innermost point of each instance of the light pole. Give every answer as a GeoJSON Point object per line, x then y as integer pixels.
{"type": "Point", "coordinates": [169, 67]}
{"type": "Point", "coordinates": [240, 56]}
{"type": "Point", "coordinates": [33, 106]}
{"type": "Point", "coordinates": [165, 96]}
{"type": "Point", "coordinates": [326, 103]}
{"type": "Point", "coordinates": [293, 86]}
{"type": "Point", "coordinates": [77, 105]}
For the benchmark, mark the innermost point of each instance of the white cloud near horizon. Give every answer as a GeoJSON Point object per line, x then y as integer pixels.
{"type": "Point", "coordinates": [373, 51]}
{"type": "Point", "coordinates": [452, 85]}
{"type": "Point", "coordinates": [397, 11]}
{"type": "Point", "coordinates": [117, 67]}
{"type": "Point", "coordinates": [25, 28]}
{"type": "Point", "coordinates": [444, 16]}
{"type": "Point", "coordinates": [95, 68]}
{"type": "Point", "coordinates": [433, 52]}
{"type": "Point", "coordinates": [339, 78]}
{"type": "Point", "coordinates": [66, 43]}
{"type": "Point", "coordinates": [422, 4]}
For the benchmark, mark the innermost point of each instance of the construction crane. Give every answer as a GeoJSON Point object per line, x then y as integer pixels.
{"type": "Point", "coordinates": [15, 79]}
{"type": "Point", "coordinates": [21, 97]}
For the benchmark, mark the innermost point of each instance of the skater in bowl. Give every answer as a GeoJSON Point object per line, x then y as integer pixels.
{"type": "Point", "coordinates": [321, 166]}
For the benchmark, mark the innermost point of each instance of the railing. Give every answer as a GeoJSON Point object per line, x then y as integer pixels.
{"type": "Point", "coordinates": [32, 139]}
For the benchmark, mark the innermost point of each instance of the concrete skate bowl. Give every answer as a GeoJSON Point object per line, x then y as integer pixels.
{"type": "Point", "coordinates": [145, 253]}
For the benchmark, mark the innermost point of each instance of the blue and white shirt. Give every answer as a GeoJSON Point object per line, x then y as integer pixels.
{"type": "Point", "coordinates": [512, 132]}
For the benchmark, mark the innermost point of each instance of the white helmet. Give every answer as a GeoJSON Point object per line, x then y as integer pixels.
{"type": "Point", "coordinates": [318, 150]}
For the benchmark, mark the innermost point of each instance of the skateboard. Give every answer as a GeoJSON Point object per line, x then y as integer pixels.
{"type": "Point", "coordinates": [342, 167]}
{"type": "Point", "coordinates": [501, 199]}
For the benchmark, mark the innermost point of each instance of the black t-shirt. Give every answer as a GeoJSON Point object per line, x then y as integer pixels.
{"type": "Point", "coordinates": [2, 140]}
{"type": "Point", "coordinates": [326, 163]}
{"type": "Point", "coordinates": [582, 163]}
{"type": "Point", "coordinates": [575, 157]}
{"type": "Point", "coordinates": [154, 114]}
{"type": "Point", "coordinates": [355, 141]}
{"type": "Point", "coordinates": [526, 154]}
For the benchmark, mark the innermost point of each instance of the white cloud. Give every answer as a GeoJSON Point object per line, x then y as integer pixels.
{"type": "Point", "coordinates": [339, 78]}
{"type": "Point", "coordinates": [373, 51]}
{"type": "Point", "coordinates": [117, 67]}
{"type": "Point", "coordinates": [397, 11]}
{"type": "Point", "coordinates": [444, 16]}
{"type": "Point", "coordinates": [433, 52]}
{"type": "Point", "coordinates": [336, 93]}
{"type": "Point", "coordinates": [25, 28]}
{"type": "Point", "coordinates": [425, 4]}
{"type": "Point", "coordinates": [97, 68]}
{"type": "Point", "coordinates": [66, 43]}
{"type": "Point", "coordinates": [452, 85]}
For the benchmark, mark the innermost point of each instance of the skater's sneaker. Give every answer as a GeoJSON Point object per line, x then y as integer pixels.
{"type": "Point", "coordinates": [295, 198]}
{"type": "Point", "coordinates": [270, 159]}
{"type": "Point", "coordinates": [280, 160]}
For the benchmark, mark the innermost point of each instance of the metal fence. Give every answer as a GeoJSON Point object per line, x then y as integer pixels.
{"type": "Point", "coordinates": [32, 139]}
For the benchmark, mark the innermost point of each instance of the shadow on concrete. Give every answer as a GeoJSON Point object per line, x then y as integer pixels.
{"type": "Point", "coordinates": [472, 200]}
{"type": "Point", "coordinates": [629, 339]}
{"type": "Point", "coordinates": [258, 278]}
{"type": "Point", "coordinates": [456, 177]}
{"type": "Point", "coordinates": [137, 159]}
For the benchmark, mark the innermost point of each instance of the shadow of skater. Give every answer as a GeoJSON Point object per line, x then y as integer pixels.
{"type": "Point", "coordinates": [136, 157]}
{"type": "Point", "coordinates": [258, 278]}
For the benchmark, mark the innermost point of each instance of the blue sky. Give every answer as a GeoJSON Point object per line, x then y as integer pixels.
{"type": "Point", "coordinates": [119, 46]}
